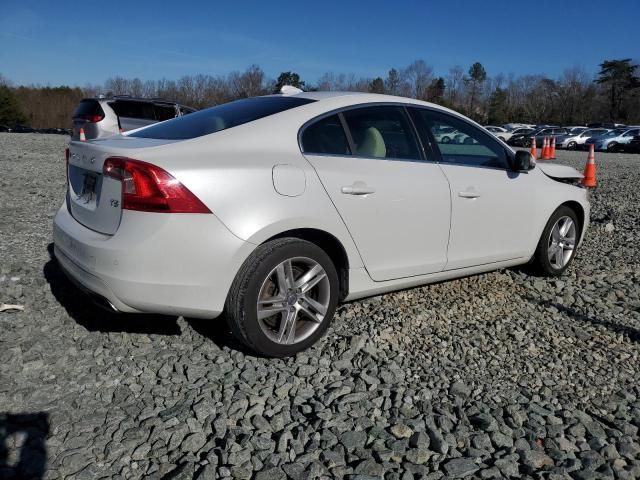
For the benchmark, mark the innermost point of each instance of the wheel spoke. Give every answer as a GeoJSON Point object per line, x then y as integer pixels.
{"type": "Point", "coordinates": [566, 226]}
{"type": "Point", "coordinates": [559, 257]}
{"type": "Point", "coordinates": [312, 309]}
{"type": "Point", "coordinates": [288, 274]}
{"type": "Point", "coordinates": [555, 233]}
{"type": "Point", "coordinates": [282, 279]}
{"type": "Point", "coordinates": [287, 331]}
{"type": "Point", "coordinates": [268, 311]}
{"type": "Point", "coordinates": [311, 279]}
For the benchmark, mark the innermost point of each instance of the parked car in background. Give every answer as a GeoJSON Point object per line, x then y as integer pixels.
{"type": "Point", "coordinates": [608, 125]}
{"type": "Point", "coordinates": [274, 209]}
{"type": "Point", "coordinates": [614, 140]}
{"type": "Point", "coordinates": [539, 134]}
{"type": "Point", "coordinates": [575, 130]}
{"type": "Point", "coordinates": [634, 145]}
{"type": "Point", "coordinates": [103, 117]}
{"type": "Point", "coordinates": [513, 126]}
{"type": "Point", "coordinates": [446, 135]}
{"type": "Point", "coordinates": [573, 142]}
{"type": "Point", "coordinates": [500, 132]}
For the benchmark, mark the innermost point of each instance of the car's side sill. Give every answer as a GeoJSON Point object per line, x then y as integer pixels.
{"type": "Point", "coordinates": [361, 285]}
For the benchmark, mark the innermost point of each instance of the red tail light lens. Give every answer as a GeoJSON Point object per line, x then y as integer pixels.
{"type": "Point", "coordinates": [149, 188]}
{"type": "Point", "coordinates": [92, 118]}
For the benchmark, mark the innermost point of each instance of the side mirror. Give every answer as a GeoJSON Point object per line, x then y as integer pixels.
{"type": "Point", "coordinates": [523, 161]}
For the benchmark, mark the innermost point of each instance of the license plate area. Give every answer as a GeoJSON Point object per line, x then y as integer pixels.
{"type": "Point", "coordinates": [88, 191]}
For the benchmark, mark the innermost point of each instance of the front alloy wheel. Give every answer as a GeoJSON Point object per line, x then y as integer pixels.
{"type": "Point", "coordinates": [562, 242]}
{"type": "Point", "coordinates": [558, 243]}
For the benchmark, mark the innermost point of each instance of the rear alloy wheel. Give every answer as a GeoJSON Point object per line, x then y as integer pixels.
{"type": "Point", "coordinates": [283, 298]}
{"type": "Point", "coordinates": [571, 145]}
{"type": "Point", "coordinates": [445, 140]}
{"type": "Point", "coordinates": [558, 243]}
{"type": "Point", "coordinates": [612, 147]}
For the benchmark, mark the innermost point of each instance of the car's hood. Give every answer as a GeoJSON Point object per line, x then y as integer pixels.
{"type": "Point", "coordinates": [555, 170]}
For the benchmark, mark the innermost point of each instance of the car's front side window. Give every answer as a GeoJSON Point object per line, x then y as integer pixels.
{"type": "Point", "coordinates": [471, 146]}
{"type": "Point", "coordinates": [325, 137]}
{"type": "Point", "coordinates": [382, 132]}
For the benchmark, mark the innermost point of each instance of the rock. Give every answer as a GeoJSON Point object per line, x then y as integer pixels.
{"type": "Point", "coordinates": [535, 460]}
{"type": "Point", "coordinates": [193, 442]}
{"type": "Point", "coordinates": [401, 431]}
{"type": "Point", "coordinates": [353, 439]}
{"type": "Point", "coordinates": [461, 467]}
{"type": "Point", "coordinates": [274, 473]}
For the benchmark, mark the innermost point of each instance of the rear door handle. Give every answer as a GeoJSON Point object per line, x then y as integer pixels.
{"type": "Point", "coordinates": [469, 194]}
{"type": "Point", "coordinates": [357, 190]}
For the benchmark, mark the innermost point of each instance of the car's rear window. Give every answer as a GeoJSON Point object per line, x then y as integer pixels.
{"type": "Point", "coordinates": [219, 118]}
{"type": "Point", "coordinates": [88, 108]}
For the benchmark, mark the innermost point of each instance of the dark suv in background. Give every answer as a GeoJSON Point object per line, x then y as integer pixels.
{"type": "Point", "coordinates": [102, 117]}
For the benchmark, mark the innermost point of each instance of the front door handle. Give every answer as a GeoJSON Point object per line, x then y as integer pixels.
{"type": "Point", "coordinates": [469, 194]}
{"type": "Point", "coordinates": [357, 189]}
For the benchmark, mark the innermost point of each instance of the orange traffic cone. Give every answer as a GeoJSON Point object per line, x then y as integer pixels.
{"type": "Point", "coordinates": [545, 148]}
{"type": "Point", "coordinates": [552, 150]}
{"type": "Point", "coordinates": [589, 179]}
{"type": "Point", "coordinates": [534, 149]}
{"type": "Point", "coordinates": [82, 136]}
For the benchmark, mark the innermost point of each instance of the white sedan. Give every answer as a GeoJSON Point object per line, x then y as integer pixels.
{"type": "Point", "coordinates": [500, 132]}
{"type": "Point", "coordinates": [274, 209]}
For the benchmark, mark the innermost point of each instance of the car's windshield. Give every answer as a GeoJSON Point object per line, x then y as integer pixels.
{"type": "Point", "coordinates": [220, 117]}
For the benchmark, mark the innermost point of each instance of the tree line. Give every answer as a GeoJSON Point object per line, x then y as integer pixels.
{"type": "Point", "coordinates": [574, 97]}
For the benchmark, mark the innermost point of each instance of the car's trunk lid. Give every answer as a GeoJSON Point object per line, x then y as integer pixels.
{"type": "Point", "coordinates": [95, 200]}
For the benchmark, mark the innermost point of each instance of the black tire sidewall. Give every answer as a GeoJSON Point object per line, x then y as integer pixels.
{"type": "Point", "coordinates": [542, 256]}
{"type": "Point", "coordinates": [251, 328]}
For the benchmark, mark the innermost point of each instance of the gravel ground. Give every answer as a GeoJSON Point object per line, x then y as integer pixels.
{"type": "Point", "coordinates": [495, 376]}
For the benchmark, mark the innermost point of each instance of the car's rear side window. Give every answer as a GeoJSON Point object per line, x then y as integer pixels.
{"type": "Point", "coordinates": [221, 117]}
{"type": "Point", "coordinates": [132, 109]}
{"type": "Point", "coordinates": [164, 112]}
{"type": "Point", "coordinates": [382, 132]}
{"type": "Point", "coordinates": [326, 136]}
{"type": "Point", "coordinates": [88, 108]}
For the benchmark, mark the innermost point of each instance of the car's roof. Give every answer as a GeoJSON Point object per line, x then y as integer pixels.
{"type": "Point", "coordinates": [127, 98]}
{"type": "Point", "coordinates": [354, 98]}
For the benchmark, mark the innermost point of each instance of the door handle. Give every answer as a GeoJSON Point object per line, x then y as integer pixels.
{"type": "Point", "coordinates": [469, 194]}
{"type": "Point", "coordinates": [357, 190]}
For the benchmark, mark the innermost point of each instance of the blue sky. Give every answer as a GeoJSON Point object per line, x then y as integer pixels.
{"type": "Point", "coordinates": [58, 42]}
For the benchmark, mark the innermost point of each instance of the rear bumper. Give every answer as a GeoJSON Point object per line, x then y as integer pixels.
{"type": "Point", "coordinates": [172, 264]}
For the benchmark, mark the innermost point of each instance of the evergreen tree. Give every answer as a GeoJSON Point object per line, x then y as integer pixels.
{"type": "Point", "coordinates": [392, 83]}
{"type": "Point", "coordinates": [376, 85]}
{"type": "Point", "coordinates": [10, 113]}
{"type": "Point", "coordinates": [288, 78]}
{"type": "Point", "coordinates": [620, 77]}
{"type": "Point", "coordinates": [498, 107]}
{"type": "Point", "coordinates": [435, 91]}
{"type": "Point", "coordinates": [477, 77]}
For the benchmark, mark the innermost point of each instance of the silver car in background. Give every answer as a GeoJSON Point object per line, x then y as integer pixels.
{"type": "Point", "coordinates": [577, 141]}
{"type": "Point", "coordinates": [103, 117]}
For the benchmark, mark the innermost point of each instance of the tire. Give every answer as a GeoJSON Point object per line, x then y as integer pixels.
{"type": "Point", "coordinates": [262, 276]}
{"type": "Point", "coordinates": [445, 140]}
{"type": "Point", "coordinates": [612, 147]}
{"type": "Point", "coordinates": [548, 245]}
{"type": "Point", "coordinates": [571, 145]}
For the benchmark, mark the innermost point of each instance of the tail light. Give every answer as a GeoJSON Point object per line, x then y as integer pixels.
{"type": "Point", "coordinates": [149, 188]}
{"type": "Point", "coordinates": [92, 118]}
